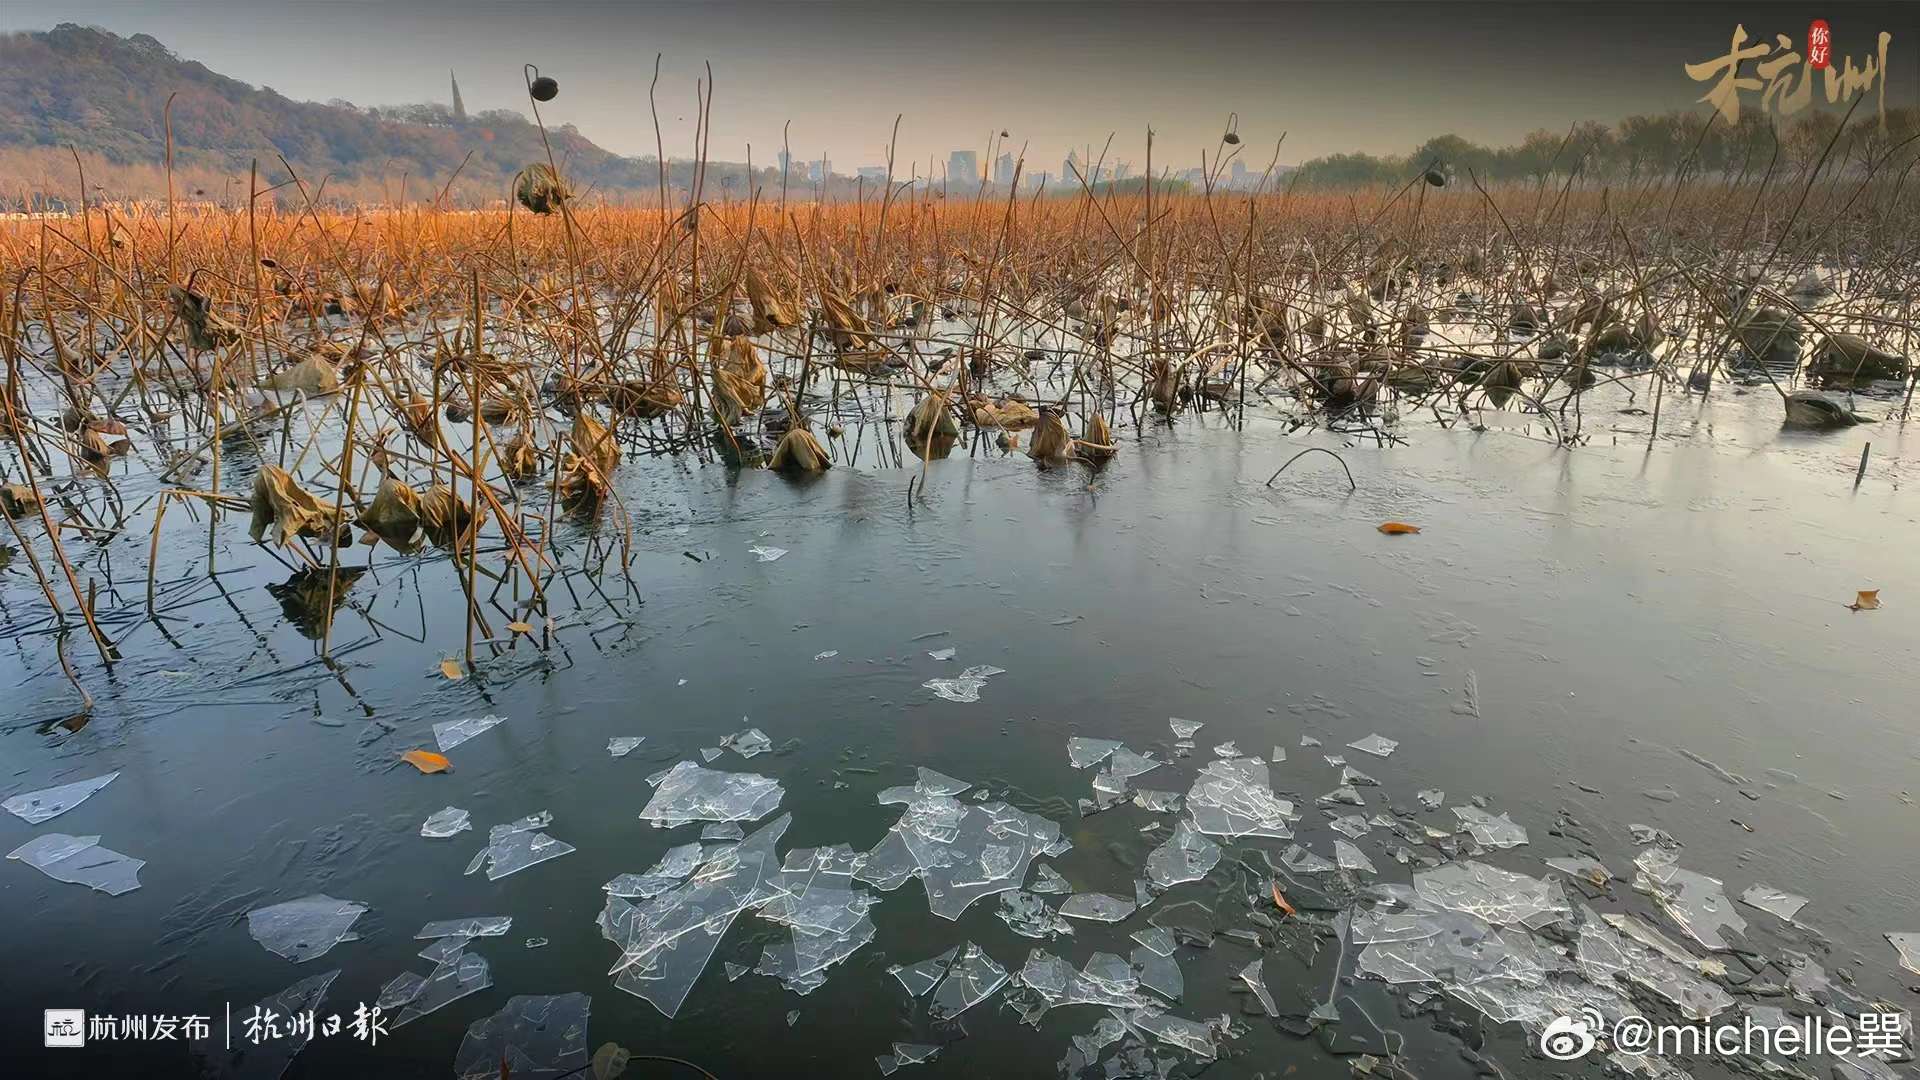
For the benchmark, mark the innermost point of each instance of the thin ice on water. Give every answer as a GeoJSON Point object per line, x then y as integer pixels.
{"type": "Point", "coordinates": [1492, 830]}
{"type": "Point", "coordinates": [477, 926]}
{"type": "Point", "coordinates": [960, 851]}
{"type": "Point", "coordinates": [1029, 916]}
{"type": "Point", "coordinates": [766, 553]}
{"type": "Point", "coordinates": [667, 941]}
{"type": "Point", "coordinates": [813, 895]}
{"type": "Point", "coordinates": [267, 1059]}
{"type": "Point", "coordinates": [1184, 729]}
{"type": "Point", "coordinates": [80, 860]}
{"type": "Point", "coordinates": [517, 845]}
{"type": "Point", "coordinates": [748, 743]}
{"type": "Point", "coordinates": [1694, 901]}
{"type": "Point", "coordinates": [444, 823]}
{"type": "Point", "coordinates": [1907, 944]}
{"type": "Point", "coordinates": [1773, 901]}
{"type": "Point", "coordinates": [1233, 797]}
{"type": "Point", "coordinates": [622, 745]}
{"type": "Point", "coordinates": [46, 804]}
{"type": "Point", "coordinates": [459, 975]}
{"type": "Point", "coordinates": [451, 733]}
{"type": "Point", "coordinates": [964, 687]}
{"type": "Point", "coordinates": [1186, 856]}
{"type": "Point", "coordinates": [304, 929]}
{"type": "Point", "coordinates": [1377, 745]}
{"type": "Point", "coordinates": [530, 1038]}
{"type": "Point", "coordinates": [1084, 753]}
{"type": "Point", "coordinates": [688, 792]}
{"type": "Point", "coordinates": [1097, 907]}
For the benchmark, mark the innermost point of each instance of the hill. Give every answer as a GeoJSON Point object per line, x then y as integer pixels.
{"type": "Point", "coordinates": [105, 96]}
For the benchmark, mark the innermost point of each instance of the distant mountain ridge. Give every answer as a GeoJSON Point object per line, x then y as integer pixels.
{"type": "Point", "coordinates": [105, 96]}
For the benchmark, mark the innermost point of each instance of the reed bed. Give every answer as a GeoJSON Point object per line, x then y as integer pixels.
{"type": "Point", "coordinates": [430, 379]}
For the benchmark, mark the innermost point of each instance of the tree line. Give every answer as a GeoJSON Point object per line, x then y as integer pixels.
{"type": "Point", "coordinates": [1688, 144]}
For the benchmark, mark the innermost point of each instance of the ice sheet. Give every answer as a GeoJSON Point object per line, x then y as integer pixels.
{"type": "Point", "coordinates": [530, 1038]}
{"type": "Point", "coordinates": [451, 733]}
{"type": "Point", "coordinates": [80, 860]}
{"type": "Point", "coordinates": [304, 929]}
{"type": "Point", "coordinates": [46, 804]}
{"type": "Point", "coordinates": [689, 792]}
{"type": "Point", "coordinates": [666, 942]}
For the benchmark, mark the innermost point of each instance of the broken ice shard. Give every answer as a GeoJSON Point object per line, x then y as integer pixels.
{"type": "Point", "coordinates": [1256, 980]}
{"type": "Point", "coordinates": [1186, 856]}
{"type": "Point", "coordinates": [1377, 745]}
{"type": "Point", "coordinates": [622, 745]}
{"type": "Point", "coordinates": [530, 1038]}
{"type": "Point", "coordinates": [1693, 900]}
{"type": "Point", "coordinates": [689, 792]}
{"type": "Point", "coordinates": [1907, 944]}
{"type": "Point", "coordinates": [1184, 729]}
{"type": "Point", "coordinates": [1082, 753]}
{"type": "Point", "coordinates": [452, 733]}
{"type": "Point", "coordinates": [972, 978]}
{"type": "Point", "coordinates": [959, 851]}
{"type": "Point", "coordinates": [444, 823]}
{"type": "Point", "coordinates": [80, 860]}
{"type": "Point", "coordinates": [1099, 907]}
{"type": "Point", "coordinates": [1029, 916]}
{"type": "Point", "coordinates": [764, 553]}
{"type": "Point", "coordinates": [267, 1059]}
{"type": "Point", "coordinates": [1774, 901]}
{"type": "Point", "coordinates": [666, 942]}
{"type": "Point", "coordinates": [748, 743]}
{"type": "Point", "coordinates": [964, 687]}
{"type": "Point", "coordinates": [812, 894]}
{"type": "Point", "coordinates": [1234, 797]}
{"type": "Point", "coordinates": [304, 929]}
{"type": "Point", "coordinates": [456, 977]}
{"type": "Point", "coordinates": [1348, 857]}
{"type": "Point", "coordinates": [46, 804]}
{"type": "Point", "coordinates": [517, 845]}
{"type": "Point", "coordinates": [478, 926]}
{"type": "Point", "coordinates": [1492, 830]}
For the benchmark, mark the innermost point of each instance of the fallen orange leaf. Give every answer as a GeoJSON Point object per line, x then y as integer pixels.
{"type": "Point", "coordinates": [520, 628]}
{"type": "Point", "coordinates": [1280, 900]}
{"type": "Point", "coordinates": [1868, 600]}
{"type": "Point", "coordinates": [427, 761]}
{"type": "Point", "coordinates": [451, 669]}
{"type": "Point", "coordinates": [1398, 528]}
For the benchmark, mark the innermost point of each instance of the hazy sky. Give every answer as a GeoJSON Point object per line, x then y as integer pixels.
{"type": "Point", "coordinates": [1350, 76]}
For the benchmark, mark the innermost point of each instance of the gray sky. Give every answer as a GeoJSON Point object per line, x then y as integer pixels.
{"type": "Point", "coordinates": [1335, 77]}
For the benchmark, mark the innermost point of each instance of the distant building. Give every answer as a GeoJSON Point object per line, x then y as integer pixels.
{"type": "Point", "coordinates": [459, 107]}
{"type": "Point", "coordinates": [1121, 171]}
{"type": "Point", "coordinates": [875, 173]}
{"type": "Point", "coordinates": [1003, 170]}
{"type": "Point", "coordinates": [1036, 181]}
{"type": "Point", "coordinates": [786, 162]}
{"type": "Point", "coordinates": [963, 168]}
{"type": "Point", "coordinates": [1239, 173]}
{"type": "Point", "coordinates": [1070, 168]}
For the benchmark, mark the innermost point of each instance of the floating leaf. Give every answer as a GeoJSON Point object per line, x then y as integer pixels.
{"type": "Point", "coordinates": [1398, 528]}
{"type": "Point", "coordinates": [1868, 600]}
{"type": "Point", "coordinates": [427, 761]}
{"type": "Point", "coordinates": [610, 1061]}
{"type": "Point", "coordinates": [1280, 900]}
{"type": "Point", "coordinates": [520, 627]}
{"type": "Point", "coordinates": [451, 669]}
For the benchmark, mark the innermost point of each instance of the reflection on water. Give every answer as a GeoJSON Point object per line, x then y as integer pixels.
{"type": "Point", "coordinates": [1596, 651]}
